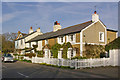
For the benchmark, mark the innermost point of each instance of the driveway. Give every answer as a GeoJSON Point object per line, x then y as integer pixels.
{"type": "Point", "coordinates": [28, 70]}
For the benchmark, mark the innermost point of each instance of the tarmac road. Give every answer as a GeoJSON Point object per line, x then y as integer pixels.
{"type": "Point", "coordinates": [21, 69]}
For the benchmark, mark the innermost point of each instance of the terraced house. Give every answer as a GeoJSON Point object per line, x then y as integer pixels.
{"type": "Point", "coordinates": [91, 32]}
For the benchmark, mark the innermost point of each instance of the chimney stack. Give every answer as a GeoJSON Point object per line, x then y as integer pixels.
{"type": "Point", "coordinates": [30, 30]}
{"type": "Point", "coordinates": [95, 17]}
{"type": "Point", "coordinates": [56, 26]}
{"type": "Point", "coordinates": [38, 30]}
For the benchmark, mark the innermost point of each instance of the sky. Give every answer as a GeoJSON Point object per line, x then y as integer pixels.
{"type": "Point", "coordinates": [20, 16]}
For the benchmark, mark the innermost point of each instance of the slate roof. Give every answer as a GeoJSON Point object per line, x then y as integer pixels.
{"type": "Point", "coordinates": [61, 32]}
{"type": "Point", "coordinates": [26, 35]}
{"type": "Point", "coordinates": [112, 30]}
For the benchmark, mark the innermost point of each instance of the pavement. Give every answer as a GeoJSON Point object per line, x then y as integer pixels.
{"type": "Point", "coordinates": [21, 69]}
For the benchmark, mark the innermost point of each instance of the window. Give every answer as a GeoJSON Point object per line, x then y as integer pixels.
{"type": "Point", "coordinates": [101, 36]}
{"type": "Point", "coordinates": [71, 53]}
{"type": "Point", "coordinates": [46, 41]}
{"type": "Point", "coordinates": [61, 39]}
{"type": "Point", "coordinates": [16, 43]}
{"type": "Point", "coordinates": [21, 41]}
{"type": "Point", "coordinates": [71, 37]}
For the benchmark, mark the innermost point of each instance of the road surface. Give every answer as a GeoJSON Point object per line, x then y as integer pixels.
{"type": "Point", "coordinates": [21, 69]}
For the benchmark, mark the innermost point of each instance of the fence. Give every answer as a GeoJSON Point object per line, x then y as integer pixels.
{"type": "Point", "coordinates": [81, 63]}
{"type": "Point", "coordinates": [113, 60]}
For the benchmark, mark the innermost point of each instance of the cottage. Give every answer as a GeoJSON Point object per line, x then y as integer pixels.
{"type": "Point", "coordinates": [91, 32]}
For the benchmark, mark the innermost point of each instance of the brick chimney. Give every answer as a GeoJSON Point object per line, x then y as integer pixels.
{"type": "Point", "coordinates": [95, 17]}
{"type": "Point", "coordinates": [30, 30]}
{"type": "Point", "coordinates": [56, 26]}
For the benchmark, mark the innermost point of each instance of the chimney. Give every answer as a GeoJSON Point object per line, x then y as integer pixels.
{"type": "Point", "coordinates": [19, 32]}
{"type": "Point", "coordinates": [30, 30]}
{"type": "Point", "coordinates": [38, 30]}
{"type": "Point", "coordinates": [56, 26]}
{"type": "Point", "coordinates": [95, 17]}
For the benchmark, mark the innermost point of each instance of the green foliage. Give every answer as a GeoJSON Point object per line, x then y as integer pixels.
{"type": "Point", "coordinates": [55, 48]}
{"type": "Point", "coordinates": [93, 51]}
{"type": "Point", "coordinates": [30, 55]}
{"type": "Point", "coordinates": [29, 61]}
{"type": "Point", "coordinates": [40, 53]}
{"type": "Point", "coordinates": [113, 45]}
{"type": "Point", "coordinates": [65, 47]}
{"type": "Point", "coordinates": [15, 54]}
{"type": "Point", "coordinates": [102, 55]}
{"type": "Point", "coordinates": [35, 46]}
{"type": "Point", "coordinates": [79, 57]}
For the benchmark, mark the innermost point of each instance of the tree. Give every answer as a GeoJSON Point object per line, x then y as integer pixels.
{"type": "Point", "coordinates": [8, 42]}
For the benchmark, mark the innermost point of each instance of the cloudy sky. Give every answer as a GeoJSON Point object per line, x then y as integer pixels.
{"type": "Point", "coordinates": [20, 16]}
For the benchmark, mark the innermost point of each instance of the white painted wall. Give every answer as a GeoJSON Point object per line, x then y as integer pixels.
{"type": "Point", "coordinates": [39, 45]}
{"type": "Point", "coordinates": [115, 57]}
{"type": "Point", "coordinates": [27, 45]}
{"type": "Point", "coordinates": [33, 43]}
{"type": "Point", "coordinates": [32, 36]}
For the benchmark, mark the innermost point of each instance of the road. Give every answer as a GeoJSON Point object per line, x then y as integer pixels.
{"type": "Point", "coordinates": [21, 69]}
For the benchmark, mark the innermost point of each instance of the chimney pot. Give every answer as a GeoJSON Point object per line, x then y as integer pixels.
{"type": "Point", "coordinates": [31, 27]}
{"type": "Point", "coordinates": [95, 12]}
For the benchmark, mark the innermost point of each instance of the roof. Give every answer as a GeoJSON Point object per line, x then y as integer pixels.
{"type": "Point", "coordinates": [112, 30]}
{"type": "Point", "coordinates": [26, 35]}
{"type": "Point", "coordinates": [61, 32]}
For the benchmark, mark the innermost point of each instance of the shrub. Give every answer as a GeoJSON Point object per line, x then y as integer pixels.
{"type": "Point", "coordinates": [102, 55]}
{"type": "Point", "coordinates": [79, 57]}
{"type": "Point", "coordinates": [113, 45]}
{"type": "Point", "coordinates": [40, 53]}
{"type": "Point", "coordinates": [15, 54]}
{"type": "Point", "coordinates": [55, 48]}
{"type": "Point", "coordinates": [30, 55]}
{"type": "Point", "coordinates": [65, 47]}
{"type": "Point", "coordinates": [26, 60]}
{"type": "Point", "coordinates": [93, 51]}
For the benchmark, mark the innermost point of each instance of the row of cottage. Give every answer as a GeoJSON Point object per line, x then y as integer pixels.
{"type": "Point", "coordinates": [91, 32]}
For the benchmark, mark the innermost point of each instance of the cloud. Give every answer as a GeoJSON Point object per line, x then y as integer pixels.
{"type": "Point", "coordinates": [10, 16]}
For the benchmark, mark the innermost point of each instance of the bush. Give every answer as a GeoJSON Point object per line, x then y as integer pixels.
{"type": "Point", "coordinates": [29, 61]}
{"type": "Point", "coordinates": [102, 55]}
{"type": "Point", "coordinates": [15, 54]}
{"type": "Point", "coordinates": [55, 48]}
{"type": "Point", "coordinates": [65, 47]}
{"type": "Point", "coordinates": [79, 57]}
{"type": "Point", "coordinates": [39, 55]}
{"type": "Point", "coordinates": [30, 55]}
{"type": "Point", "coordinates": [93, 51]}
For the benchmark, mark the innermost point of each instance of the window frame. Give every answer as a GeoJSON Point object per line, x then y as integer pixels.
{"type": "Point", "coordinates": [101, 39]}
{"type": "Point", "coordinates": [46, 41]}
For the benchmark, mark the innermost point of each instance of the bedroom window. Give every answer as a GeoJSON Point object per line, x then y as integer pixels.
{"type": "Point", "coordinates": [101, 36]}
{"type": "Point", "coordinates": [46, 41]}
{"type": "Point", "coordinates": [61, 39]}
{"type": "Point", "coordinates": [71, 37]}
{"type": "Point", "coordinates": [21, 42]}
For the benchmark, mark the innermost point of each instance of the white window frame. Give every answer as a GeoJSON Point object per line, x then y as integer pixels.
{"type": "Point", "coordinates": [46, 41]}
{"type": "Point", "coordinates": [102, 37]}
{"type": "Point", "coordinates": [59, 39]}
{"type": "Point", "coordinates": [74, 38]}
